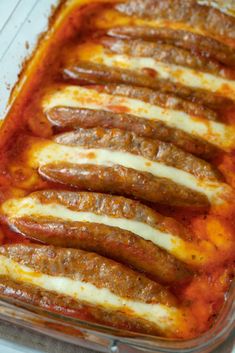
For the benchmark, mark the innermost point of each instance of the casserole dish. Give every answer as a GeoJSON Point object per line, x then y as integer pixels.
{"type": "Point", "coordinates": [115, 337]}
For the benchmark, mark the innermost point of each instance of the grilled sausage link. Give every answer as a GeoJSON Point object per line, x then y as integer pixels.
{"type": "Point", "coordinates": [217, 133]}
{"type": "Point", "coordinates": [158, 98]}
{"type": "Point", "coordinates": [105, 224]}
{"type": "Point", "coordinates": [123, 181]}
{"type": "Point", "coordinates": [89, 268]}
{"type": "Point", "coordinates": [87, 72]}
{"type": "Point", "coordinates": [206, 46]}
{"type": "Point", "coordinates": [165, 53]}
{"type": "Point", "coordinates": [65, 305]}
{"type": "Point", "coordinates": [111, 242]}
{"type": "Point", "coordinates": [154, 150]}
{"type": "Point", "coordinates": [67, 117]}
{"type": "Point", "coordinates": [202, 18]}
{"type": "Point", "coordinates": [75, 160]}
{"type": "Point", "coordinates": [92, 280]}
{"type": "Point", "coordinates": [109, 205]}
{"type": "Point", "coordinates": [120, 162]}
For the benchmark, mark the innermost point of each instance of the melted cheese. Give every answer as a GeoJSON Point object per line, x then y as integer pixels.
{"type": "Point", "coordinates": [166, 318]}
{"type": "Point", "coordinates": [53, 153]}
{"type": "Point", "coordinates": [31, 206]}
{"type": "Point", "coordinates": [79, 97]}
{"type": "Point", "coordinates": [178, 74]}
{"type": "Point", "coordinates": [16, 208]}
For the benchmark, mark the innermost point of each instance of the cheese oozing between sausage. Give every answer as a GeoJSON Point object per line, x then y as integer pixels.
{"type": "Point", "coordinates": [79, 97]}
{"type": "Point", "coordinates": [175, 73]}
{"type": "Point", "coordinates": [52, 152]}
{"type": "Point", "coordinates": [178, 247]}
{"type": "Point", "coordinates": [165, 318]}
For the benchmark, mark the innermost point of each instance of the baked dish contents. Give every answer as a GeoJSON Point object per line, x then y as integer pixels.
{"type": "Point", "coordinates": [117, 175]}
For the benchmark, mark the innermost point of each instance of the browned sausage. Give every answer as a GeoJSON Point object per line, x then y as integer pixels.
{"type": "Point", "coordinates": [74, 118]}
{"type": "Point", "coordinates": [114, 206]}
{"type": "Point", "coordinates": [89, 268]}
{"type": "Point", "coordinates": [165, 53]}
{"type": "Point", "coordinates": [204, 18]}
{"type": "Point", "coordinates": [91, 287]}
{"type": "Point", "coordinates": [110, 241]}
{"type": "Point", "coordinates": [119, 177]}
{"type": "Point", "coordinates": [65, 305]}
{"type": "Point", "coordinates": [206, 46]}
{"type": "Point", "coordinates": [65, 160]}
{"type": "Point", "coordinates": [87, 72]}
{"type": "Point", "coordinates": [123, 181]}
{"type": "Point", "coordinates": [163, 100]}
{"type": "Point", "coordinates": [153, 150]}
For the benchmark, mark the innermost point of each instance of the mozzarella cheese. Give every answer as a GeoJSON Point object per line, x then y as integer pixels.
{"type": "Point", "coordinates": [53, 152]}
{"type": "Point", "coordinates": [31, 206]}
{"type": "Point", "coordinates": [79, 97]}
{"type": "Point", "coordinates": [176, 73]}
{"type": "Point", "coordinates": [165, 318]}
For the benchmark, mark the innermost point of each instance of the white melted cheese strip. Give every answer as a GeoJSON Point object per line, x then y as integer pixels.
{"type": "Point", "coordinates": [175, 73]}
{"type": "Point", "coordinates": [79, 97]}
{"type": "Point", "coordinates": [56, 153]}
{"type": "Point", "coordinates": [166, 318]}
{"type": "Point", "coordinates": [178, 247]}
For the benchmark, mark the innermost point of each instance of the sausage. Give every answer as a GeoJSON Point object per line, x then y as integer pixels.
{"type": "Point", "coordinates": [67, 117]}
{"type": "Point", "coordinates": [83, 277]}
{"type": "Point", "coordinates": [92, 280]}
{"type": "Point", "coordinates": [89, 268]}
{"type": "Point", "coordinates": [199, 44]}
{"type": "Point", "coordinates": [106, 160]}
{"type": "Point", "coordinates": [182, 76]}
{"type": "Point", "coordinates": [123, 181]}
{"type": "Point", "coordinates": [153, 150]}
{"type": "Point", "coordinates": [65, 305]}
{"type": "Point", "coordinates": [213, 132]}
{"type": "Point", "coordinates": [165, 53]}
{"type": "Point", "coordinates": [202, 18]}
{"type": "Point", "coordinates": [87, 72]}
{"type": "Point", "coordinates": [120, 241]}
{"type": "Point", "coordinates": [114, 206]}
{"type": "Point", "coordinates": [158, 98]}
{"type": "Point", "coordinates": [112, 243]}
{"type": "Point", "coordinates": [134, 158]}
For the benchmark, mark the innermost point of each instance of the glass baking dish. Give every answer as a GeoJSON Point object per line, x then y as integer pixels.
{"type": "Point", "coordinates": [19, 36]}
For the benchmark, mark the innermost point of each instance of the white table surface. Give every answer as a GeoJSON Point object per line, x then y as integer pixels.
{"type": "Point", "coordinates": [16, 339]}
